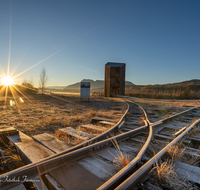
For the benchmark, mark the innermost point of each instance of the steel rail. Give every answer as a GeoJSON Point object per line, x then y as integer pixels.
{"type": "Point", "coordinates": [132, 181]}
{"type": "Point", "coordinates": [125, 172]}
{"type": "Point", "coordinates": [44, 166]}
{"type": "Point", "coordinates": [145, 114]}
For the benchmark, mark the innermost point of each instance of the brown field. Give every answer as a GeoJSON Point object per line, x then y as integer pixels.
{"type": "Point", "coordinates": [47, 113]}
{"type": "Point", "coordinates": [44, 113]}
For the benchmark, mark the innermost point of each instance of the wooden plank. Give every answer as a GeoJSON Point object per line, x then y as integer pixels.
{"type": "Point", "coordinates": [75, 176]}
{"type": "Point", "coordinates": [173, 126]}
{"type": "Point", "coordinates": [157, 129]}
{"type": "Point", "coordinates": [137, 112]}
{"type": "Point", "coordinates": [39, 184]}
{"type": "Point", "coordinates": [195, 154]}
{"type": "Point", "coordinates": [163, 136]}
{"type": "Point", "coordinates": [53, 182]}
{"type": "Point", "coordinates": [133, 117]}
{"type": "Point", "coordinates": [149, 186]}
{"type": "Point", "coordinates": [132, 122]}
{"type": "Point", "coordinates": [18, 187]}
{"type": "Point", "coordinates": [77, 133]}
{"type": "Point", "coordinates": [192, 149]}
{"type": "Point", "coordinates": [29, 150]}
{"type": "Point", "coordinates": [126, 129]}
{"type": "Point", "coordinates": [128, 149]}
{"type": "Point", "coordinates": [166, 133]}
{"type": "Point", "coordinates": [130, 126]}
{"type": "Point", "coordinates": [7, 131]}
{"type": "Point", "coordinates": [106, 123]}
{"type": "Point", "coordinates": [187, 171]}
{"type": "Point", "coordinates": [159, 141]}
{"type": "Point", "coordinates": [137, 140]}
{"type": "Point", "coordinates": [111, 153]}
{"type": "Point", "coordinates": [97, 119]}
{"type": "Point", "coordinates": [108, 153]}
{"type": "Point", "coordinates": [97, 167]}
{"type": "Point", "coordinates": [51, 142]}
{"type": "Point", "coordinates": [94, 127]}
{"type": "Point", "coordinates": [170, 138]}
{"type": "Point", "coordinates": [195, 139]}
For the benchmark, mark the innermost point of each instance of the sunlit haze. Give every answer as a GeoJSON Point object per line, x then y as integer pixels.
{"type": "Point", "coordinates": [7, 81]}
{"type": "Point", "coordinates": [158, 40]}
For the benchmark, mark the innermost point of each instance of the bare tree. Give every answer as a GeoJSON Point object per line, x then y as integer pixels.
{"type": "Point", "coordinates": [43, 79]}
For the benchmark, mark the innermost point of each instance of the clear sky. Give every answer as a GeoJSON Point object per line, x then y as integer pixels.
{"type": "Point", "coordinates": [159, 40]}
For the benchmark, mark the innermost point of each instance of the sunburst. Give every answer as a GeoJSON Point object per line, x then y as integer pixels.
{"type": "Point", "coordinates": [7, 80]}
{"type": "Point", "coordinates": [7, 84]}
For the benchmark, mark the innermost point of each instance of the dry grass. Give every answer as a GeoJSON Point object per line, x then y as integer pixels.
{"type": "Point", "coordinates": [177, 152]}
{"type": "Point", "coordinates": [107, 114]}
{"type": "Point", "coordinates": [67, 138]}
{"type": "Point", "coordinates": [164, 170]}
{"type": "Point", "coordinates": [47, 114]}
{"type": "Point", "coordinates": [91, 131]}
{"type": "Point", "coordinates": [75, 141]}
{"type": "Point", "coordinates": [120, 160]}
{"type": "Point", "coordinates": [196, 130]}
{"type": "Point", "coordinates": [142, 120]}
{"type": "Point", "coordinates": [162, 108]}
{"type": "Point", "coordinates": [165, 177]}
{"type": "Point", "coordinates": [11, 157]}
{"type": "Point", "coordinates": [194, 160]}
{"type": "Point", "coordinates": [165, 92]}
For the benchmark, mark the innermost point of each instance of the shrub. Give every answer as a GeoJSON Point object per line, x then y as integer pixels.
{"type": "Point", "coordinates": [28, 88]}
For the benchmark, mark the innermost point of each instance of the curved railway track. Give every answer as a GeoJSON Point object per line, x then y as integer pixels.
{"type": "Point", "coordinates": [95, 164]}
{"type": "Point", "coordinates": [166, 134]}
{"type": "Point", "coordinates": [55, 160]}
{"type": "Point", "coordinates": [139, 176]}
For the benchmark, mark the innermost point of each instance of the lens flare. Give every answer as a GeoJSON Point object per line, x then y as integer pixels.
{"type": "Point", "coordinates": [21, 99]}
{"type": "Point", "coordinates": [6, 81]}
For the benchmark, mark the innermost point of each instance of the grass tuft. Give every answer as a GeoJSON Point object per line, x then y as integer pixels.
{"type": "Point", "coordinates": [120, 160]}
{"type": "Point", "coordinates": [72, 141]}
{"type": "Point", "coordinates": [167, 178]}
{"type": "Point", "coordinates": [164, 170]}
{"type": "Point", "coordinates": [176, 152]}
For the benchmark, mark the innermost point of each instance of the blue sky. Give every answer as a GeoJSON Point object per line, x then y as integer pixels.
{"type": "Point", "coordinates": [158, 40]}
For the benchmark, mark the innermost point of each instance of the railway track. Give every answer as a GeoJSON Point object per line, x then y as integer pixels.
{"type": "Point", "coordinates": [176, 138]}
{"type": "Point", "coordinates": [97, 163]}
{"type": "Point", "coordinates": [113, 130]}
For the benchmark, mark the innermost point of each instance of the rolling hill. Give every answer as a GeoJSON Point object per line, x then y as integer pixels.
{"type": "Point", "coordinates": [93, 84]}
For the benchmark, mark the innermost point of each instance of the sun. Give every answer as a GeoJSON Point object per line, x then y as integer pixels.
{"type": "Point", "coordinates": [6, 81]}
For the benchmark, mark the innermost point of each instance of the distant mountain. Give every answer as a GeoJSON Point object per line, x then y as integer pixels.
{"type": "Point", "coordinates": [56, 87]}
{"type": "Point", "coordinates": [100, 84]}
{"type": "Point", "coordinates": [93, 84]}
{"type": "Point", "coordinates": [194, 81]}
